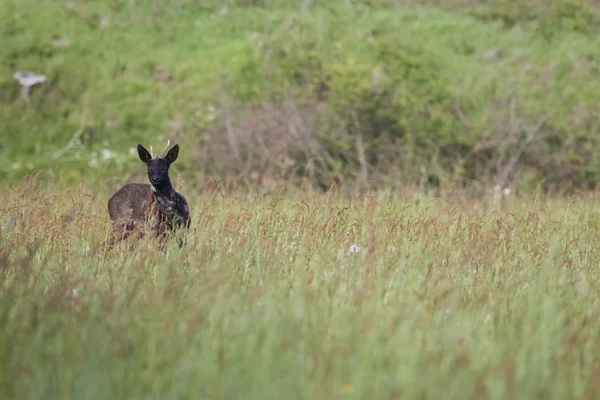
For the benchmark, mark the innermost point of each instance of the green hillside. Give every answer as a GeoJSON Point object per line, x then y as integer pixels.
{"type": "Point", "coordinates": [329, 91]}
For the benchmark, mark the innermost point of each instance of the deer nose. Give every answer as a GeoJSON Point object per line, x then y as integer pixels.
{"type": "Point", "coordinates": [155, 179]}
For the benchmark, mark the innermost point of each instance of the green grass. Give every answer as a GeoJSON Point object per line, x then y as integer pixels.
{"type": "Point", "coordinates": [144, 72]}
{"type": "Point", "coordinates": [298, 293]}
{"type": "Point", "coordinates": [107, 75]}
{"type": "Point", "coordinates": [441, 298]}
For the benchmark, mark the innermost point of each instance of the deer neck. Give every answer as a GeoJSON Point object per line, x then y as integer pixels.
{"type": "Point", "coordinates": [165, 196]}
{"type": "Point", "coordinates": [165, 189]}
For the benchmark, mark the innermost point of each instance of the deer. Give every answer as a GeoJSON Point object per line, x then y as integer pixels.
{"type": "Point", "coordinates": [154, 207]}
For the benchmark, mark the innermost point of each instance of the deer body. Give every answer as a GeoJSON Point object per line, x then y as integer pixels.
{"type": "Point", "coordinates": [155, 207]}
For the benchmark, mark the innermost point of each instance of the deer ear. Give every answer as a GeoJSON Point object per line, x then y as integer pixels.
{"type": "Point", "coordinates": [172, 154]}
{"type": "Point", "coordinates": [143, 153]}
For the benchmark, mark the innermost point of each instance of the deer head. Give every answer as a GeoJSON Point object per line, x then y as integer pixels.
{"type": "Point", "coordinates": [158, 167]}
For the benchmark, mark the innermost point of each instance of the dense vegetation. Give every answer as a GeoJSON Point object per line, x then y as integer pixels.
{"type": "Point", "coordinates": [303, 296]}
{"type": "Point", "coordinates": [370, 289]}
{"type": "Point", "coordinates": [376, 92]}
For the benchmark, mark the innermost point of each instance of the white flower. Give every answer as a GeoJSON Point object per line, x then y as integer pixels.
{"type": "Point", "coordinates": [107, 154]}
{"type": "Point", "coordinates": [354, 248]}
{"type": "Point", "coordinates": [212, 112]}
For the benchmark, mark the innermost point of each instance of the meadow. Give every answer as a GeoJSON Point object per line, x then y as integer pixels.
{"type": "Point", "coordinates": [296, 294]}
{"type": "Point", "coordinates": [389, 199]}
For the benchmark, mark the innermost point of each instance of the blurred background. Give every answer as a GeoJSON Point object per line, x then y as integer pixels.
{"type": "Point", "coordinates": [373, 93]}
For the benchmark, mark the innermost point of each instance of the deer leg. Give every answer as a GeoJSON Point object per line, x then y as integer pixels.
{"type": "Point", "coordinates": [121, 231]}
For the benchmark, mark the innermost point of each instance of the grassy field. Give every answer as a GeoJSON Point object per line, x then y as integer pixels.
{"type": "Point", "coordinates": [302, 295]}
{"type": "Point", "coordinates": [374, 289]}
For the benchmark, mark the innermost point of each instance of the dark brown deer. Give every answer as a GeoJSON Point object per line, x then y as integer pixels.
{"type": "Point", "coordinates": [155, 207]}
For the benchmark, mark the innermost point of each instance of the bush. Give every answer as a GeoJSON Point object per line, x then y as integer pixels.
{"type": "Point", "coordinates": [393, 111]}
{"type": "Point", "coordinates": [550, 18]}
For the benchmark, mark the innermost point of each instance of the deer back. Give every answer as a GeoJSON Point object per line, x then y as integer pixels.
{"type": "Point", "coordinates": [134, 201]}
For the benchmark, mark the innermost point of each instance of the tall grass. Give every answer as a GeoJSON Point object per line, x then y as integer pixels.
{"type": "Point", "coordinates": [292, 295]}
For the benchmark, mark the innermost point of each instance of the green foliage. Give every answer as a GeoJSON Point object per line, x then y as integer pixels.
{"type": "Point", "coordinates": [392, 91]}
{"type": "Point", "coordinates": [547, 18]}
{"type": "Point", "coordinates": [441, 93]}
